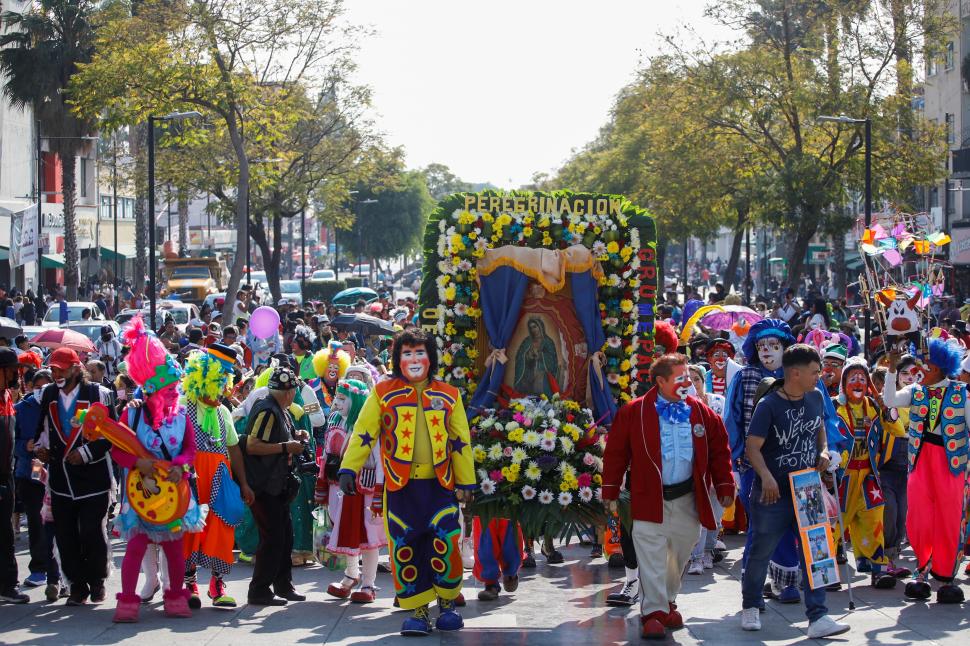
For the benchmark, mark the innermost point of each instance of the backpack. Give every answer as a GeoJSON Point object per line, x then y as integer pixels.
{"type": "Point", "coordinates": [767, 386]}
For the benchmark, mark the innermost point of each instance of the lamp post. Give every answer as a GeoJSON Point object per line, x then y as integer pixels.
{"type": "Point", "coordinates": [192, 114]}
{"type": "Point", "coordinates": [114, 209]}
{"type": "Point", "coordinates": [302, 249]}
{"type": "Point", "coordinates": [867, 123]}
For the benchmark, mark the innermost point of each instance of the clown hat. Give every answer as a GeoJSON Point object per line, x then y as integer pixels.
{"type": "Point", "coordinates": [836, 351]}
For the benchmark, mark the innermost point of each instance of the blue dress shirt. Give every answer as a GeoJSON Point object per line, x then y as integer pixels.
{"type": "Point", "coordinates": [676, 449]}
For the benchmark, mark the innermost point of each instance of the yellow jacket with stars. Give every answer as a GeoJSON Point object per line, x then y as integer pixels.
{"type": "Point", "coordinates": [389, 418]}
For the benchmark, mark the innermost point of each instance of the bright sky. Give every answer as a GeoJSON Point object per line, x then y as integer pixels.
{"type": "Point", "coordinates": [500, 89]}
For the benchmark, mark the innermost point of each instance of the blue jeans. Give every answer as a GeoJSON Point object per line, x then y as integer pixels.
{"type": "Point", "coordinates": [786, 554]}
{"type": "Point", "coordinates": [771, 524]}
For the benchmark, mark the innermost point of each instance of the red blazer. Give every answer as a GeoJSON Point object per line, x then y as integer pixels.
{"type": "Point", "coordinates": [633, 444]}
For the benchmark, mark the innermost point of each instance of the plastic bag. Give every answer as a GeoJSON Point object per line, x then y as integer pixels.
{"type": "Point", "coordinates": [322, 528]}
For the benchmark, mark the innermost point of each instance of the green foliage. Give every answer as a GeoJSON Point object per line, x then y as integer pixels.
{"type": "Point", "coordinates": [324, 291]}
{"type": "Point", "coordinates": [392, 225]}
{"type": "Point", "coordinates": [442, 182]}
{"type": "Point", "coordinates": [354, 281]}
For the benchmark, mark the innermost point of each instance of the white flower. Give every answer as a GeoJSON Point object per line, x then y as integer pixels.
{"type": "Point", "coordinates": [464, 265]}
{"type": "Point", "coordinates": [548, 444]}
{"type": "Point", "coordinates": [481, 243]}
{"type": "Point", "coordinates": [567, 445]}
{"type": "Point", "coordinates": [565, 498]}
{"type": "Point", "coordinates": [555, 422]}
{"type": "Point", "coordinates": [531, 438]}
{"type": "Point", "coordinates": [599, 248]}
{"type": "Point", "coordinates": [613, 280]}
{"type": "Point", "coordinates": [442, 225]}
{"type": "Point", "coordinates": [488, 487]}
{"type": "Point", "coordinates": [566, 469]}
{"type": "Point", "coordinates": [486, 423]}
{"type": "Point", "coordinates": [615, 342]}
{"type": "Point", "coordinates": [599, 494]}
{"type": "Point", "coordinates": [518, 455]}
{"type": "Point", "coordinates": [482, 474]}
{"type": "Point", "coordinates": [495, 452]}
{"type": "Point", "coordinates": [461, 309]}
{"type": "Point", "coordinates": [528, 493]}
{"type": "Point", "coordinates": [498, 427]}
{"type": "Point", "coordinates": [611, 320]}
{"type": "Point", "coordinates": [546, 497]}
{"type": "Point", "coordinates": [458, 372]}
{"type": "Point", "coordinates": [511, 426]}
{"type": "Point", "coordinates": [585, 494]}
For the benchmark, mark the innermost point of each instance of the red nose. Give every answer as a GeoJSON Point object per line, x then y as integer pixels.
{"type": "Point", "coordinates": [900, 324]}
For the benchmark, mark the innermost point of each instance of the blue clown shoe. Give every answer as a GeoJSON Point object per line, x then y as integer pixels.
{"type": "Point", "coordinates": [418, 624]}
{"type": "Point", "coordinates": [789, 595]}
{"type": "Point", "coordinates": [863, 566]}
{"type": "Point", "coordinates": [449, 620]}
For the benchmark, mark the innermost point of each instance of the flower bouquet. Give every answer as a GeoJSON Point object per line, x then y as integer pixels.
{"type": "Point", "coordinates": [539, 462]}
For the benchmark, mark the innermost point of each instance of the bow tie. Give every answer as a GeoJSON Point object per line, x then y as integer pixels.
{"type": "Point", "coordinates": [935, 393]}
{"type": "Point", "coordinates": [674, 412]}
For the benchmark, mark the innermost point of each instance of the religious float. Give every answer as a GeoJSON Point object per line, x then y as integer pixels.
{"type": "Point", "coordinates": [542, 305]}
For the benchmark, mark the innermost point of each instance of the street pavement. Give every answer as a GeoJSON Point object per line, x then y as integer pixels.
{"type": "Point", "coordinates": [555, 604]}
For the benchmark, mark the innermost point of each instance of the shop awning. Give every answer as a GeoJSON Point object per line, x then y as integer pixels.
{"type": "Point", "coordinates": [125, 251]}
{"type": "Point", "coordinates": [52, 261]}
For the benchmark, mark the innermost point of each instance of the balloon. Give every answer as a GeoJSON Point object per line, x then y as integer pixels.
{"type": "Point", "coordinates": [264, 322]}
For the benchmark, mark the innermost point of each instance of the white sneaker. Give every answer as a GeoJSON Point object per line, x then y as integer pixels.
{"type": "Point", "coordinates": [750, 619]}
{"type": "Point", "coordinates": [708, 561]}
{"type": "Point", "coordinates": [468, 553]}
{"type": "Point", "coordinates": [825, 626]}
{"type": "Point", "coordinates": [719, 545]}
{"type": "Point", "coordinates": [696, 567]}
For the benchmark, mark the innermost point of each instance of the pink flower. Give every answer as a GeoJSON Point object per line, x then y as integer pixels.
{"type": "Point", "coordinates": [519, 417]}
{"type": "Point", "coordinates": [527, 421]}
{"type": "Point", "coordinates": [589, 460]}
{"type": "Point", "coordinates": [496, 476]}
{"type": "Point", "coordinates": [507, 451]}
{"type": "Point", "coordinates": [584, 479]}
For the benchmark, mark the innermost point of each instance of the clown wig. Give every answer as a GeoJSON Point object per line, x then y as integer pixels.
{"type": "Point", "coordinates": [945, 356]}
{"type": "Point", "coordinates": [761, 330]}
{"type": "Point", "coordinates": [154, 369]}
{"type": "Point", "coordinates": [356, 392]}
{"type": "Point", "coordinates": [322, 358]}
{"type": "Point", "coordinates": [665, 336]}
{"type": "Point", "coordinates": [206, 378]}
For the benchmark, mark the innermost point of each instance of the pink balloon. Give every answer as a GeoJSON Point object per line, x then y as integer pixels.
{"type": "Point", "coordinates": [264, 322]}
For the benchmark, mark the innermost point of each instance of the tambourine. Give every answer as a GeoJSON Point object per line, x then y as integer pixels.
{"type": "Point", "coordinates": [154, 498]}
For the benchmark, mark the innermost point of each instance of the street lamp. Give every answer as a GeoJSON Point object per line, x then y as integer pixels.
{"type": "Point", "coordinates": [173, 116]}
{"type": "Point", "coordinates": [867, 122]}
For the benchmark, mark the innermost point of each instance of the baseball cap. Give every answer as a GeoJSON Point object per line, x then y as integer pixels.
{"type": "Point", "coordinates": [283, 301]}
{"type": "Point", "coordinates": [62, 358]}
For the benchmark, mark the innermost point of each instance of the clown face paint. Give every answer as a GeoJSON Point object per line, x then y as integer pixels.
{"type": "Point", "coordinates": [341, 404]}
{"type": "Point", "coordinates": [333, 370]}
{"type": "Point", "coordinates": [832, 373]}
{"type": "Point", "coordinates": [770, 350]}
{"type": "Point", "coordinates": [910, 375]}
{"type": "Point", "coordinates": [856, 384]}
{"type": "Point", "coordinates": [415, 363]}
{"type": "Point", "coordinates": [677, 386]}
{"type": "Point", "coordinates": [719, 360]}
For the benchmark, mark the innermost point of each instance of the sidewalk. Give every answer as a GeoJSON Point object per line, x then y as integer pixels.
{"type": "Point", "coordinates": [559, 604]}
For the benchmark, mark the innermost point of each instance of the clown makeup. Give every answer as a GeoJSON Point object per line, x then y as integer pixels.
{"type": "Point", "coordinates": [719, 360]}
{"type": "Point", "coordinates": [856, 384]}
{"type": "Point", "coordinates": [677, 386]}
{"type": "Point", "coordinates": [333, 370]}
{"type": "Point", "coordinates": [341, 405]}
{"type": "Point", "coordinates": [770, 350]}
{"type": "Point", "coordinates": [415, 363]}
{"type": "Point", "coordinates": [831, 372]}
{"type": "Point", "coordinates": [911, 374]}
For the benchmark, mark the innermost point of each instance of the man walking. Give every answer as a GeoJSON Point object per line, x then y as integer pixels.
{"type": "Point", "coordinates": [9, 368]}
{"type": "Point", "coordinates": [786, 434]}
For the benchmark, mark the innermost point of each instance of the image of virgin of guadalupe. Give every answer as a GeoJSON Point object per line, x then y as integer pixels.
{"type": "Point", "coordinates": [535, 361]}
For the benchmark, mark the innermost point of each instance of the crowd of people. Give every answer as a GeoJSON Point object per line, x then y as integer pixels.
{"type": "Point", "coordinates": [258, 437]}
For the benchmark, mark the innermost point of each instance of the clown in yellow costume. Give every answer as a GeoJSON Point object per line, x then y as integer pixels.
{"type": "Point", "coordinates": [422, 431]}
{"type": "Point", "coordinates": [859, 489]}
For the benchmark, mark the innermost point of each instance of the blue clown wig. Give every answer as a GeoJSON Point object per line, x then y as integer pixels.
{"type": "Point", "coordinates": [945, 356]}
{"type": "Point", "coordinates": [761, 330]}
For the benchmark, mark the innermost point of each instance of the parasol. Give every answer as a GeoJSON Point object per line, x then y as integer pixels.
{"type": "Point", "coordinates": [363, 324]}
{"type": "Point", "coordinates": [9, 327]}
{"type": "Point", "coordinates": [58, 338]}
{"type": "Point", "coordinates": [697, 315]}
{"type": "Point", "coordinates": [730, 315]}
{"type": "Point", "coordinates": [353, 294]}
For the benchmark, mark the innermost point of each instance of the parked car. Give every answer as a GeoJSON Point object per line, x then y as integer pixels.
{"type": "Point", "coordinates": [290, 289]}
{"type": "Point", "coordinates": [181, 312]}
{"type": "Point", "coordinates": [322, 275]}
{"type": "Point", "coordinates": [215, 301]}
{"type": "Point", "coordinates": [30, 331]}
{"type": "Point", "coordinates": [74, 310]}
{"type": "Point", "coordinates": [127, 314]}
{"type": "Point", "coordinates": [93, 330]}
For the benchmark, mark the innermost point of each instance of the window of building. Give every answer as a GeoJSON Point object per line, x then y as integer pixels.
{"type": "Point", "coordinates": [948, 57]}
{"type": "Point", "coordinates": [931, 66]}
{"type": "Point", "coordinates": [950, 129]}
{"type": "Point", "coordinates": [84, 177]}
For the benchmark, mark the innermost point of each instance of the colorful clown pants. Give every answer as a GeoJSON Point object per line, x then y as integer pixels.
{"type": "Point", "coordinates": [498, 550]}
{"type": "Point", "coordinates": [934, 519]}
{"type": "Point", "coordinates": [862, 512]}
{"type": "Point", "coordinates": [423, 534]}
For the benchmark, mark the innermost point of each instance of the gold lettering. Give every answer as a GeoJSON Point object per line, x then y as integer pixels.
{"type": "Point", "coordinates": [533, 203]}
{"type": "Point", "coordinates": [469, 200]}
{"type": "Point", "coordinates": [615, 206]}
{"type": "Point", "coordinates": [494, 204]}
{"type": "Point", "coordinates": [579, 208]}
{"type": "Point", "coordinates": [564, 206]}
{"type": "Point", "coordinates": [601, 206]}
{"type": "Point", "coordinates": [519, 203]}
{"type": "Point", "coordinates": [481, 205]}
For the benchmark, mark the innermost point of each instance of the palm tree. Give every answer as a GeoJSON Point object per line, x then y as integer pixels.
{"type": "Point", "coordinates": [40, 54]}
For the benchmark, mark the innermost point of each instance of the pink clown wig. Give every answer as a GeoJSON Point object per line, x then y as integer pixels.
{"type": "Point", "coordinates": [153, 368]}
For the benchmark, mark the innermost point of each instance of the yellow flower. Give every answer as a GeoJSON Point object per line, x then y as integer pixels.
{"type": "Point", "coordinates": [597, 230]}
{"type": "Point", "coordinates": [625, 397]}
{"type": "Point", "coordinates": [472, 235]}
{"type": "Point", "coordinates": [450, 293]}
{"type": "Point", "coordinates": [446, 358]}
{"type": "Point", "coordinates": [466, 218]}
{"type": "Point", "coordinates": [564, 486]}
{"type": "Point", "coordinates": [487, 217]}
{"type": "Point", "coordinates": [455, 260]}
{"type": "Point", "coordinates": [473, 353]}
{"type": "Point", "coordinates": [533, 472]}
{"type": "Point", "coordinates": [471, 334]}
{"type": "Point", "coordinates": [625, 252]}
{"type": "Point", "coordinates": [612, 247]}
{"type": "Point", "coordinates": [512, 476]}
{"type": "Point", "coordinates": [624, 366]}
{"type": "Point", "coordinates": [457, 244]}
{"type": "Point", "coordinates": [527, 231]}
{"type": "Point", "coordinates": [516, 435]}
{"type": "Point", "coordinates": [626, 305]}
{"type": "Point", "coordinates": [629, 330]}
{"type": "Point", "coordinates": [623, 381]}
{"type": "Point", "coordinates": [544, 222]}
{"type": "Point", "coordinates": [598, 479]}
{"type": "Point", "coordinates": [629, 349]}
{"type": "Point", "coordinates": [479, 455]}
{"type": "Point", "coordinates": [450, 329]}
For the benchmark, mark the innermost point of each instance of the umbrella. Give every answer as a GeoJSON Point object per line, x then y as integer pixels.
{"type": "Point", "coordinates": [58, 338]}
{"type": "Point", "coordinates": [353, 294]}
{"type": "Point", "coordinates": [691, 321]}
{"type": "Point", "coordinates": [9, 327]}
{"type": "Point", "coordinates": [730, 315]}
{"type": "Point", "coordinates": [363, 324]}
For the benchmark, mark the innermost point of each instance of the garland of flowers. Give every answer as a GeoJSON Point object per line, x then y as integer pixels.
{"type": "Point", "coordinates": [537, 462]}
{"type": "Point", "coordinates": [624, 243]}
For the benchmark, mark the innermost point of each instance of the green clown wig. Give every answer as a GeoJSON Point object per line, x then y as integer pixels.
{"type": "Point", "coordinates": [356, 392]}
{"type": "Point", "coordinates": [206, 378]}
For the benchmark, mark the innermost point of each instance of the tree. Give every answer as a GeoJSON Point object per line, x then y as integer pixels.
{"type": "Point", "coordinates": [237, 62]}
{"type": "Point", "coordinates": [39, 56]}
{"type": "Point", "coordinates": [442, 182]}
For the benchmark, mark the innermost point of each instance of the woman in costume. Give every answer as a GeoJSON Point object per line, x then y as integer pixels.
{"type": "Point", "coordinates": [164, 430]}
{"type": "Point", "coordinates": [358, 528]}
{"type": "Point", "coordinates": [208, 375]}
